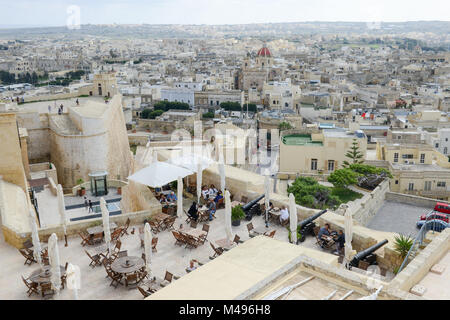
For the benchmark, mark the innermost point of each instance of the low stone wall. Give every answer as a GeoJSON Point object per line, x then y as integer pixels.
{"type": "Point", "coordinates": [87, 185]}
{"type": "Point", "coordinates": [49, 97]}
{"type": "Point", "coordinates": [73, 228]}
{"type": "Point", "coordinates": [294, 175]}
{"type": "Point", "coordinates": [413, 200]}
{"type": "Point", "coordinates": [421, 264]}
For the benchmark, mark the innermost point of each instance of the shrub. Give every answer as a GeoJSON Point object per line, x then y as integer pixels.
{"type": "Point", "coordinates": [167, 105]}
{"type": "Point", "coordinates": [343, 177]}
{"type": "Point", "coordinates": [284, 126]}
{"type": "Point", "coordinates": [237, 213]}
{"type": "Point", "coordinates": [208, 115]}
{"type": "Point", "coordinates": [365, 169]}
{"type": "Point", "coordinates": [402, 245]}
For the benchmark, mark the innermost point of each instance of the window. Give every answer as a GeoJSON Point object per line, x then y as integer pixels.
{"type": "Point", "coordinates": [396, 181]}
{"type": "Point", "coordinates": [437, 145]}
{"type": "Point", "coordinates": [396, 157]}
{"type": "Point", "coordinates": [330, 165]}
{"type": "Point", "coordinates": [427, 186]}
{"type": "Point", "coordinates": [411, 186]}
{"type": "Point", "coordinates": [441, 184]}
{"type": "Point", "coordinates": [445, 150]}
{"type": "Point", "coordinates": [313, 164]}
{"type": "Point", "coordinates": [407, 156]}
{"type": "Point", "coordinates": [422, 158]}
{"type": "Point", "coordinates": [446, 139]}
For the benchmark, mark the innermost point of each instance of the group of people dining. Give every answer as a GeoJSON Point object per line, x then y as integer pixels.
{"type": "Point", "coordinates": [339, 237]}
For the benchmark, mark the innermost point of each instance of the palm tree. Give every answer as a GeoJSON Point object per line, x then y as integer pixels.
{"type": "Point", "coordinates": [402, 245]}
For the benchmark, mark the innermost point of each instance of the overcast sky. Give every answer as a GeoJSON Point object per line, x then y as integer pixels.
{"type": "Point", "coordinates": [54, 12]}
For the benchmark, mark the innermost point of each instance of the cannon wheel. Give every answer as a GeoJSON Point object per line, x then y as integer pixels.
{"type": "Point", "coordinates": [301, 237]}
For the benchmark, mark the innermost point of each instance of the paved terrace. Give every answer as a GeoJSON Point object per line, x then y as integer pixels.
{"type": "Point", "coordinates": [94, 285]}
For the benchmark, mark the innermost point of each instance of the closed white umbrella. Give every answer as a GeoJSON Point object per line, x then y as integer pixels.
{"type": "Point", "coordinates": [199, 182]}
{"type": "Point", "coordinates": [180, 197]}
{"type": "Point", "coordinates": [73, 279]}
{"type": "Point", "coordinates": [228, 230]}
{"type": "Point", "coordinates": [222, 173]}
{"type": "Point", "coordinates": [148, 247]}
{"type": "Point", "coordinates": [105, 217]}
{"type": "Point", "coordinates": [158, 174]}
{"type": "Point", "coordinates": [53, 255]}
{"type": "Point", "coordinates": [192, 162]}
{"type": "Point", "coordinates": [62, 210]}
{"type": "Point", "coordinates": [35, 238]}
{"type": "Point", "coordinates": [267, 198]}
{"type": "Point", "coordinates": [293, 218]}
{"type": "Point", "coordinates": [348, 235]}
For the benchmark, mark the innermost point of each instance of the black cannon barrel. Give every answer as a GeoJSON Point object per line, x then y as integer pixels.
{"type": "Point", "coordinates": [364, 253]}
{"type": "Point", "coordinates": [311, 218]}
{"type": "Point", "coordinates": [250, 204]}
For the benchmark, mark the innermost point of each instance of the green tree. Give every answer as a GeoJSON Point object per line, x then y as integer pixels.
{"type": "Point", "coordinates": [284, 126]}
{"type": "Point", "coordinates": [353, 154]}
{"type": "Point", "coordinates": [365, 169]}
{"type": "Point", "coordinates": [343, 177]}
{"type": "Point", "coordinates": [208, 115]}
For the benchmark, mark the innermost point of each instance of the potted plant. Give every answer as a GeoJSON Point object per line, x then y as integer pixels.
{"type": "Point", "coordinates": [237, 214]}
{"type": "Point", "coordinates": [82, 190]}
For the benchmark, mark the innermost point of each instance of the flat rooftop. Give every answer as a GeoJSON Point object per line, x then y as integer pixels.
{"type": "Point", "coordinates": [300, 140]}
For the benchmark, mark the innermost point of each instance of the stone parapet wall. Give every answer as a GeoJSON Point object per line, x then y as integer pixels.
{"type": "Point", "coordinates": [412, 199]}
{"type": "Point", "coordinates": [421, 264]}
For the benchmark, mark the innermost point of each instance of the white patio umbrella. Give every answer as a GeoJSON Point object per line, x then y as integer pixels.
{"type": "Point", "coordinates": [105, 217]}
{"type": "Point", "coordinates": [62, 211]}
{"type": "Point", "coordinates": [222, 173]}
{"type": "Point", "coordinates": [35, 239]}
{"type": "Point", "coordinates": [348, 235]}
{"type": "Point", "coordinates": [267, 198]}
{"type": "Point", "coordinates": [73, 279]}
{"type": "Point", "coordinates": [180, 197]}
{"type": "Point", "coordinates": [191, 162]}
{"type": "Point", "coordinates": [293, 218]}
{"type": "Point", "coordinates": [228, 230]}
{"type": "Point", "coordinates": [148, 247]}
{"type": "Point", "coordinates": [158, 174]}
{"type": "Point", "coordinates": [199, 182]}
{"type": "Point", "coordinates": [53, 255]}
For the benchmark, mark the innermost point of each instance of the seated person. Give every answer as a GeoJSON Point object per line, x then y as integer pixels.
{"type": "Point", "coordinates": [163, 199]}
{"type": "Point", "coordinates": [192, 212]}
{"type": "Point", "coordinates": [284, 216]}
{"type": "Point", "coordinates": [205, 192]}
{"type": "Point", "coordinates": [211, 208]}
{"type": "Point", "coordinates": [340, 242]}
{"type": "Point", "coordinates": [324, 231]}
{"type": "Point", "coordinates": [213, 190]}
{"type": "Point", "coordinates": [218, 196]}
{"type": "Point", "coordinates": [172, 197]}
{"type": "Point", "coordinates": [192, 266]}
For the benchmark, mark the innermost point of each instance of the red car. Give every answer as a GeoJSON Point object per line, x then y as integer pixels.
{"type": "Point", "coordinates": [442, 207]}
{"type": "Point", "coordinates": [436, 215]}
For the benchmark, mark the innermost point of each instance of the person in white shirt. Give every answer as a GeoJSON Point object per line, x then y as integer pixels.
{"type": "Point", "coordinates": [284, 214]}
{"type": "Point", "coordinates": [212, 191]}
{"type": "Point", "coordinates": [205, 192]}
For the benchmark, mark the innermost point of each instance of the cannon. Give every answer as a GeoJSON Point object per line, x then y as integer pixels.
{"type": "Point", "coordinates": [307, 226]}
{"type": "Point", "coordinates": [252, 207]}
{"type": "Point", "coordinates": [367, 255]}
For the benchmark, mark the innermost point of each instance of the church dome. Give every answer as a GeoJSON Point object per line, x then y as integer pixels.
{"type": "Point", "coordinates": [264, 52]}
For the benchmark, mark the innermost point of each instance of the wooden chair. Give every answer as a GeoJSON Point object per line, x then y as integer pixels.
{"type": "Point", "coordinates": [250, 229]}
{"type": "Point", "coordinates": [29, 259]}
{"type": "Point", "coordinates": [154, 243]}
{"type": "Point", "coordinates": [168, 223]}
{"type": "Point", "coordinates": [31, 286]}
{"type": "Point", "coordinates": [217, 252]}
{"type": "Point", "coordinates": [44, 257]}
{"type": "Point", "coordinates": [193, 224]}
{"type": "Point", "coordinates": [179, 241]}
{"type": "Point", "coordinates": [191, 241]}
{"type": "Point", "coordinates": [115, 277]}
{"type": "Point", "coordinates": [168, 279]}
{"type": "Point", "coordinates": [95, 259]}
{"type": "Point", "coordinates": [46, 289]}
{"type": "Point", "coordinates": [154, 226]}
{"type": "Point", "coordinates": [97, 238]}
{"type": "Point", "coordinates": [237, 239]}
{"type": "Point", "coordinates": [85, 238]}
{"type": "Point", "coordinates": [188, 217]}
{"type": "Point", "coordinates": [144, 292]}
{"type": "Point", "coordinates": [27, 244]}
{"type": "Point", "coordinates": [205, 228]}
{"type": "Point", "coordinates": [131, 279]}
{"type": "Point", "coordinates": [271, 234]}
{"type": "Point", "coordinates": [220, 204]}
{"type": "Point", "coordinates": [116, 234]}
{"type": "Point", "coordinates": [125, 228]}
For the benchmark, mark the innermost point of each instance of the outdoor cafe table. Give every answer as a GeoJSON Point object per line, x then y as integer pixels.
{"type": "Point", "coordinates": [99, 229]}
{"type": "Point", "coordinates": [44, 275]}
{"type": "Point", "coordinates": [197, 233]}
{"type": "Point", "coordinates": [224, 243]}
{"type": "Point", "coordinates": [275, 214]}
{"type": "Point", "coordinates": [262, 230]}
{"type": "Point", "coordinates": [134, 264]}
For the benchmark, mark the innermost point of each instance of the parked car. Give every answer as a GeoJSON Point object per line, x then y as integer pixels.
{"type": "Point", "coordinates": [442, 207]}
{"type": "Point", "coordinates": [436, 215]}
{"type": "Point", "coordinates": [436, 224]}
